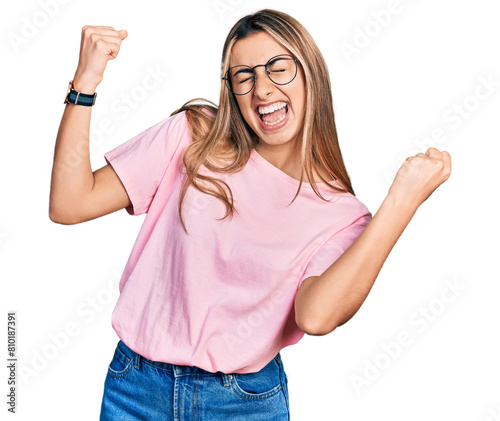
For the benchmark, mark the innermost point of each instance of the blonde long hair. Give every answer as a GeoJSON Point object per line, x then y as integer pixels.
{"type": "Point", "coordinates": [224, 136]}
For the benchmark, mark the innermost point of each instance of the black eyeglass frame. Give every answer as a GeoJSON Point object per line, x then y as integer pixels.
{"type": "Point", "coordinates": [228, 83]}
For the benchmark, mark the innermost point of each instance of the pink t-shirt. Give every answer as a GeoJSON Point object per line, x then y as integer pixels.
{"type": "Point", "coordinates": [220, 297]}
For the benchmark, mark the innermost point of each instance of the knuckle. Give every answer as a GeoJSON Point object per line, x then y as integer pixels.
{"type": "Point", "coordinates": [439, 164]}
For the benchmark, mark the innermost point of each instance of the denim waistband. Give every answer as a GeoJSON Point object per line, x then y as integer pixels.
{"type": "Point", "coordinates": [176, 369]}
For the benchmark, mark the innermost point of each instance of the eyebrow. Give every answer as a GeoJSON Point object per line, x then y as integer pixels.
{"type": "Point", "coordinates": [272, 60]}
{"type": "Point", "coordinates": [275, 59]}
{"type": "Point", "coordinates": [245, 70]}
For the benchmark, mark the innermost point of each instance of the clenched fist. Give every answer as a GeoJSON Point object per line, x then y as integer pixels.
{"type": "Point", "coordinates": [420, 175]}
{"type": "Point", "coordinates": [99, 44]}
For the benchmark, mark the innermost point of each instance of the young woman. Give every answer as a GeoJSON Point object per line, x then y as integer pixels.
{"type": "Point", "coordinates": [253, 234]}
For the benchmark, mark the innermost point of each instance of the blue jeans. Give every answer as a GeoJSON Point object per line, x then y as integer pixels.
{"type": "Point", "coordinates": [140, 389]}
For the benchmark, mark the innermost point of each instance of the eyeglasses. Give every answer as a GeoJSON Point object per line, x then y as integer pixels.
{"type": "Point", "coordinates": [280, 69]}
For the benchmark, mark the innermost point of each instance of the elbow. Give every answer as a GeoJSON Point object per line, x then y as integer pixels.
{"type": "Point", "coordinates": [314, 327]}
{"type": "Point", "coordinates": [312, 322]}
{"type": "Point", "coordinates": [60, 218]}
{"type": "Point", "coordinates": [57, 219]}
{"type": "Point", "coordinates": [314, 317]}
{"type": "Point", "coordinates": [317, 324]}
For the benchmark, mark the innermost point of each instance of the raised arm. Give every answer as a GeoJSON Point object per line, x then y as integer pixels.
{"type": "Point", "coordinates": [325, 302]}
{"type": "Point", "coordinates": [76, 193]}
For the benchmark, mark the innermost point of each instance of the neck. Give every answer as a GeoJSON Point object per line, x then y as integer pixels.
{"type": "Point", "coordinates": [284, 157]}
{"type": "Point", "coordinates": [287, 159]}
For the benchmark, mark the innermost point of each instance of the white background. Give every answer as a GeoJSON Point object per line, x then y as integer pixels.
{"type": "Point", "coordinates": [396, 89]}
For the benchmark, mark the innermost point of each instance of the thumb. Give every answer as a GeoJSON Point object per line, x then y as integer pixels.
{"type": "Point", "coordinates": [122, 33]}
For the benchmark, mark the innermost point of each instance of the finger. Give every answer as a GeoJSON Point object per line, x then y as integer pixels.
{"type": "Point", "coordinates": [110, 39]}
{"type": "Point", "coordinates": [447, 160]}
{"type": "Point", "coordinates": [103, 27]}
{"type": "Point", "coordinates": [102, 30]}
{"type": "Point", "coordinates": [433, 153]}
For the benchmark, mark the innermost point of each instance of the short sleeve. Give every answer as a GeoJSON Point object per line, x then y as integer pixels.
{"type": "Point", "coordinates": [141, 162]}
{"type": "Point", "coordinates": [329, 252]}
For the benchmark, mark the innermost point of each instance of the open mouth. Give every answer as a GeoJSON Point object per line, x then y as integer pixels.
{"type": "Point", "coordinates": [273, 114]}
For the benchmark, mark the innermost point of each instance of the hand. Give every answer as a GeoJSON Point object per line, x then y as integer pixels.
{"type": "Point", "coordinates": [419, 176]}
{"type": "Point", "coordinates": [99, 44]}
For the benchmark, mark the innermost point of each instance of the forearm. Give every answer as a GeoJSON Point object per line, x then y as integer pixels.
{"type": "Point", "coordinates": [331, 299]}
{"type": "Point", "coordinates": [72, 175]}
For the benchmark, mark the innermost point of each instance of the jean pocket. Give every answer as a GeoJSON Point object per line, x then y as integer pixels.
{"type": "Point", "coordinates": [260, 385]}
{"type": "Point", "coordinates": [120, 365]}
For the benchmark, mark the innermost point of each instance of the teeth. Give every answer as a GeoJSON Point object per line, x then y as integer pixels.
{"type": "Point", "coordinates": [272, 108]}
{"type": "Point", "coordinates": [275, 122]}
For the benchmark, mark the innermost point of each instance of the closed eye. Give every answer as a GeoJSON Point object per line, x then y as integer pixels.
{"type": "Point", "coordinates": [243, 75]}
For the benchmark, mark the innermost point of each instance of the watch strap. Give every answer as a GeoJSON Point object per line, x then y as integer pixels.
{"type": "Point", "coordinates": [78, 98]}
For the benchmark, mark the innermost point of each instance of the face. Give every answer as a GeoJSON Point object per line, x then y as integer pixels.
{"type": "Point", "coordinates": [278, 130]}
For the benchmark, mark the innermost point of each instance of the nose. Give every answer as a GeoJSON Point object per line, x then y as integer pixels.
{"type": "Point", "coordinates": [263, 85]}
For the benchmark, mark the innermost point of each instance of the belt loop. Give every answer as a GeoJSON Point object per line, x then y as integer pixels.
{"type": "Point", "coordinates": [137, 361]}
{"type": "Point", "coordinates": [226, 378]}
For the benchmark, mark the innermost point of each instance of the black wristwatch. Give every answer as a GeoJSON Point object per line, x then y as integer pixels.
{"type": "Point", "coordinates": [78, 98]}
